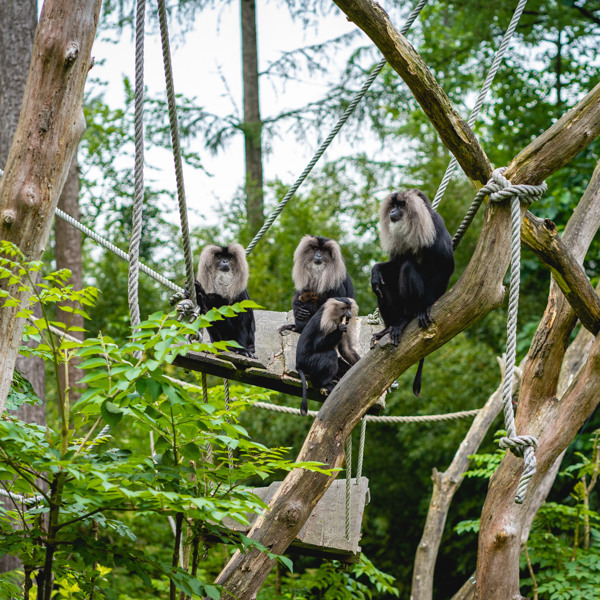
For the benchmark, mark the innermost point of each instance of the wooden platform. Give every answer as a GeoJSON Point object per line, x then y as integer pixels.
{"type": "Point", "coordinates": [276, 353]}
{"type": "Point", "coordinates": [324, 533]}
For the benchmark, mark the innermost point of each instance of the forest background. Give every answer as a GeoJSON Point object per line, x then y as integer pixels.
{"type": "Point", "coordinates": [388, 143]}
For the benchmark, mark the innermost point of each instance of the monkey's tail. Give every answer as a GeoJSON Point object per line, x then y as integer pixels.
{"type": "Point", "coordinates": [304, 404]}
{"type": "Point", "coordinates": [417, 380]}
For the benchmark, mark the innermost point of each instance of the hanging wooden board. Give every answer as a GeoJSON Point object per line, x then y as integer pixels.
{"type": "Point", "coordinates": [324, 533]}
{"type": "Point", "coordinates": [275, 367]}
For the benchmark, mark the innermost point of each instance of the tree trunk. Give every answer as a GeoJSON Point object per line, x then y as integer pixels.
{"type": "Point", "coordinates": [553, 423]}
{"type": "Point", "coordinates": [67, 251]}
{"type": "Point", "coordinates": [49, 129]}
{"type": "Point", "coordinates": [18, 19]}
{"type": "Point", "coordinates": [252, 126]}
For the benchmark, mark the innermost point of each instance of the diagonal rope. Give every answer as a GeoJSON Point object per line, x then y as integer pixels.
{"type": "Point", "coordinates": [482, 95]}
{"type": "Point", "coordinates": [138, 196]}
{"type": "Point", "coordinates": [185, 231]}
{"type": "Point", "coordinates": [349, 110]}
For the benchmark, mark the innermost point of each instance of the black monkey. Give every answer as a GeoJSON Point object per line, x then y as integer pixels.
{"type": "Point", "coordinates": [418, 272]}
{"type": "Point", "coordinates": [327, 346]}
{"type": "Point", "coordinates": [319, 273]}
{"type": "Point", "coordinates": [221, 280]}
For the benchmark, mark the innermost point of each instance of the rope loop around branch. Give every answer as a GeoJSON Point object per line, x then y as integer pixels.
{"type": "Point", "coordinates": [500, 189]}
{"type": "Point", "coordinates": [517, 445]}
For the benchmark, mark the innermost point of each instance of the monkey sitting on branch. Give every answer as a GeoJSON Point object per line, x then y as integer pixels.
{"type": "Point", "coordinates": [327, 346]}
{"type": "Point", "coordinates": [419, 269]}
{"type": "Point", "coordinates": [221, 280]}
{"type": "Point", "coordinates": [319, 273]}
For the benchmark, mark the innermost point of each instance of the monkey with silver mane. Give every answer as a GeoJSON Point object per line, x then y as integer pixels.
{"type": "Point", "coordinates": [319, 273]}
{"type": "Point", "coordinates": [420, 265]}
{"type": "Point", "coordinates": [221, 280]}
{"type": "Point", "coordinates": [327, 346]}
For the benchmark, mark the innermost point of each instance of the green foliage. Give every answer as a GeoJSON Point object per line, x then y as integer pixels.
{"type": "Point", "coordinates": [76, 485]}
{"type": "Point", "coordinates": [332, 581]}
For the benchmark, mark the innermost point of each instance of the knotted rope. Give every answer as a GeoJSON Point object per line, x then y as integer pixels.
{"type": "Point", "coordinates": [499, 189]}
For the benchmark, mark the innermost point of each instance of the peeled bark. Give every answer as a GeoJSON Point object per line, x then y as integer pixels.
{"type": "Point", "coordinates": [49, 129]}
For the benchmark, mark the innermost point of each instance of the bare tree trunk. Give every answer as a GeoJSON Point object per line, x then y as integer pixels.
{"type": "Point", "coordinates": [49, 129]}
{"type": "Point", "coordinates": [252, 124]}
{"type": "Point", "coordinates": [18, 20]}
{"type": "Point", "coordinates": [539, 413]}
{"type": "Point", "coordinates": [67, 251]}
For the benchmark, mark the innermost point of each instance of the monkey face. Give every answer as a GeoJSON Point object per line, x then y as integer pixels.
{"type": "Point", "coordinates": [223, 270]}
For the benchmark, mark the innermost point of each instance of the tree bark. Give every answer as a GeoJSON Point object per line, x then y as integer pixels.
{"type": "Point", "coordinates": [445, 486]}
{"type": "Point", "coordinates": [50, 126]}
{"type": "Point", "coordinates": [540, 414]}
{"type": "Point", "coordinates": [478, 291]}
{"type": "Point", "coordinates": [252, 126]}
{"type": "Point", "coordinates": [67, 251]}
{"type": "Point", "coordinates": [18, 19]}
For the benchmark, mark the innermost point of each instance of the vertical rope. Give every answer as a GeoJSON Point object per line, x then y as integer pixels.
{"type": "Point", "coordinates": [348, 459]}
{"type": "Point", "coordinates": [208, 447]}
{"type": "Point", "coordinates": [349, 110]}
{"type": "Point", "coordinates": [482, 94]}
{"type": "Point", "coordinates": [229, 450]}
{"type": "Point", "coordinates": [138, 197]}
{"type": "Point", "coordinates": [185, 231]}
{"type": "Point", "coordinates": [361, 448]}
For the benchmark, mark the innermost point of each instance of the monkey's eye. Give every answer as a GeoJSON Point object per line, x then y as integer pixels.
{"type": "Point", "coordinates": [401, 203]}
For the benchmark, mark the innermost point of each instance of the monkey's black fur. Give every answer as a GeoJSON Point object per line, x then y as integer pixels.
{"type": "Point", "coordinates": [419, 269]}
{"type": "Point", "coordinates": [319, 274]}
{"type": "Point", "coordinates": [326, 347]}
{"type": "Point", "coordinates": [221, 280]}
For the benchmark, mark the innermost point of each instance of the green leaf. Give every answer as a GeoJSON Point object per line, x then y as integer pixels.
{"type": "Point", "coordinates": [111, 413]}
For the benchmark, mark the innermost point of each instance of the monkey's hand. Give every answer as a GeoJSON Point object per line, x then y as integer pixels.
{"type": "Point", "coordinates": [424, 319]}
{"type": "Point", "coordinates": [377, 336]}
{"type": "Point", "coordinates": [302, 313]}
{"type": "Point", "coordinates": [343, 327]}
{"type": "Point", "coordinates": [377, 283]}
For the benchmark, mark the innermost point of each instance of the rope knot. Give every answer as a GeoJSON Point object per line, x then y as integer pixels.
{"type": "Point", "coordinates": [500, 188]}
{"type": "Point", "coordinates": [518, 444]}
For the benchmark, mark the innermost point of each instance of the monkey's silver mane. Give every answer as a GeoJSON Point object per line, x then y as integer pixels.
{"type": "Point", "coordinates": [229, 285]}
{"type": "Point", "coordinates": [333, 312]}
{"type": "Point", "coordinates": [416, 230]}
{"type": "Point", "coordinates": [307, 277]}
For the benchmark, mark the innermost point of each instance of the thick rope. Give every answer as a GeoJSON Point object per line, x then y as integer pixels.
{"type": "Point", "coordinates": [138, 196]}
{"type": "Point", "coordinates": [525, 445]}
{"type": "Point", "coordinates": [348, 459]}
{"type": "Point", "coordinates": [226, 390]}
{"type": "Point", "coordinates": [116, 250]}
{"type": "Point", "coordinates": [185, 230]}
{"type": "Point", "coordinates": [482, 94]}
{"type": "Point", "coordinates": [359, 96]}
{"type": "Point", "coordinates": [361, 449]}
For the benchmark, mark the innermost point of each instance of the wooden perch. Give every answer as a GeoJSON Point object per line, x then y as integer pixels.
{"type": "Point", "coordinates": [49, 129]}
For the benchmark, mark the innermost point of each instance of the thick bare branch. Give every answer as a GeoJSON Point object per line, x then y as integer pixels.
{"type": "Point", "coordinates": [49, 129]}
{"type": "Point", "coordinates": [542, 237]}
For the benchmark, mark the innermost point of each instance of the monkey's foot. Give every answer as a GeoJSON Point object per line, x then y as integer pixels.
{"type": "Point", "coordinates": [288, 327]}
{"type": "Point", "coordinates": [377, 336]}
{"type": "Point", "coordinates": [424, 319]}
{"type": "Point", "coordinates": [396, 333]}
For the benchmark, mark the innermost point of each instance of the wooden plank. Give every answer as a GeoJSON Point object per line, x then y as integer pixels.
{"type": "Point", "coordinates": [275, 367]}
{"type": "Point", "coordinates": [324, 533]}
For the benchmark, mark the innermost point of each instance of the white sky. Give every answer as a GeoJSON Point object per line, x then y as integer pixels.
{"type": "Point", "coordinates": [208, 55]}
